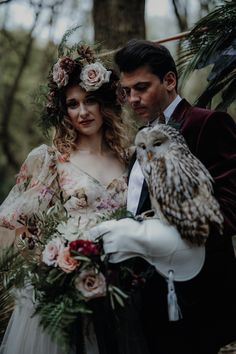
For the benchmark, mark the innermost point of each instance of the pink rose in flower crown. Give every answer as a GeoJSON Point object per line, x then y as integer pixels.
{"type": "Point", "coordinates": [94, 76]}
{"type": "Point", "coordinates": [60, 76]}
{"type": "Point", "coordinates": [66, 262]}
{"type": "Point", "coordinates": [91, 284]}
{"type": "Point", "coordinates": [84, 247]}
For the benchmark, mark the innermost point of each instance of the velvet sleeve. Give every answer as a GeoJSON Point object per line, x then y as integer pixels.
{"type": "Point", "coordinates": [216, 147]}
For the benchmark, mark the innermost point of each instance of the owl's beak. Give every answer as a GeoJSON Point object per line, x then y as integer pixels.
{"type": "Point", "coordinates": [149, 155]}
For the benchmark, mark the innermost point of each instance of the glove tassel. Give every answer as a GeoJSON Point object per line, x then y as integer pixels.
{"type": "Point", "coordinates": [174, 311]}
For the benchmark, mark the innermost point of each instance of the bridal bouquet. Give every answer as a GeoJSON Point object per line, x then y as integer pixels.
{"type": "Point", "coordinates": [65, 270]}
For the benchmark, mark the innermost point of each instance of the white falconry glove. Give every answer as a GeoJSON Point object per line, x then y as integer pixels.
{"type": "Point", "coordinates": [158, 243]}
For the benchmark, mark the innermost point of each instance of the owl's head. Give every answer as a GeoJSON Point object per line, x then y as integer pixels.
{"type": "Point", "coordinates": [154, 142]}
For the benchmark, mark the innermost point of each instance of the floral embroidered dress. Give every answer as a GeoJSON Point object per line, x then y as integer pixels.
{"type": "Point", "coordinates": [42, 177]}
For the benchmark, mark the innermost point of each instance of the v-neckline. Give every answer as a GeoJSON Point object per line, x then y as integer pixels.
{"type": "Point", "coordinates": [95, 179]}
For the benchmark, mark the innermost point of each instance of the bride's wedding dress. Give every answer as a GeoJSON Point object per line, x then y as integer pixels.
{"type": "Point", "coordinates": [44, 174]}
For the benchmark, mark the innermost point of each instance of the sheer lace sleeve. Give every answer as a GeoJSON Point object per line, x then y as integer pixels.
{"type": "Point", "coordinates": [34, 189]}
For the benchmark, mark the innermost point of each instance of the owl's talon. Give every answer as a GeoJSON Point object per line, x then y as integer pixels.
{"type": "Point", "coordinates": [149, 214]}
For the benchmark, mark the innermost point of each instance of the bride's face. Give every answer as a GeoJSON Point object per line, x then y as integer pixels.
{"type": "Point", "coordinates": [83, 111]}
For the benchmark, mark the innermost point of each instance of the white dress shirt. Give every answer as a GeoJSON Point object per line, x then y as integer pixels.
{"type": "Point", "coordinates": [136, 176]}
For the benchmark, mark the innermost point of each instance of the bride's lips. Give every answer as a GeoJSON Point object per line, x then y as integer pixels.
{"type": "Point", "coordinates": [86, 122]}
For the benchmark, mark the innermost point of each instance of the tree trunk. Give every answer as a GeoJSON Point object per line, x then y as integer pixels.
{"type": "Point", "coordinates": [117, 21]}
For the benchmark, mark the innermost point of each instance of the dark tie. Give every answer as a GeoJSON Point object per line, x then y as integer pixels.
{"type": "Point", "coordinates": [161, 118]}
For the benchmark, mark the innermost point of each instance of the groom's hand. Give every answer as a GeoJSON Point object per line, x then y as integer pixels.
{"type": "Point", "coordinates": [159, 244]}
{"type": "Point", "coordinates": [147, 238]}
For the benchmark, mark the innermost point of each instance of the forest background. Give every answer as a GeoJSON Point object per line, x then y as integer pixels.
{"type": "Point", "coordinates": [30, 31]}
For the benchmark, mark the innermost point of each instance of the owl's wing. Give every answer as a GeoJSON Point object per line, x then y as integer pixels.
{"type": "Point", "coordinates": [181, 189]}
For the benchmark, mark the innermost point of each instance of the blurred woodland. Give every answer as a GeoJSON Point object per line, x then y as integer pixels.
{"type": "Point", "coordinates": [25, 58]}
{"type": "Point", "coordinates": [206, 60]}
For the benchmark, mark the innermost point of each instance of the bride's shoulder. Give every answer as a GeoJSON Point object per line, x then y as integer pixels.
{"type": "Point", "coordinates": [42, 151]}
{"type": "Point", "coordinates": [39, 159]}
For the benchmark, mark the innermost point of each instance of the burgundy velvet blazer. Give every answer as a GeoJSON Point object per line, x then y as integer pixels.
{"type": "Point", "coordinates": [211, 137]}
{"type": "Point", "coordinates": [211, 296]}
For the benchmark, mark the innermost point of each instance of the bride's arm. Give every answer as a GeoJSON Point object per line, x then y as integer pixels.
{"type": "Point", "coordinates": [7, 237]}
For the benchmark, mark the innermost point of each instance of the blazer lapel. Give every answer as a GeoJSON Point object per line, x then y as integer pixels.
{"type": "Point", "coordinates": [179, 113]}
{"type": "Point", "coordinates": [144, 199]}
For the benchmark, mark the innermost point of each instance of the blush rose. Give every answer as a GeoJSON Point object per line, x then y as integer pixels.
{"type": "Point", "coordinates": [59, 74]}
{"type": "Point", "coordinates": [91, 284]}
{"type": "Point", "coordinates": [66, 262]}
{"type": "Point", "coordinates": [94, 76]}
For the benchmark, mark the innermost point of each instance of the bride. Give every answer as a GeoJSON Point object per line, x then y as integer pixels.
{"type": "Point", "coordinates": [87, 162]}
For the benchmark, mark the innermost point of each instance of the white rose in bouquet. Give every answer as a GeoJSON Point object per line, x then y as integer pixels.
{"type": "Point", "coordinates": [70, 229]}
{"type": "Point", "coordinates": [52, 250]}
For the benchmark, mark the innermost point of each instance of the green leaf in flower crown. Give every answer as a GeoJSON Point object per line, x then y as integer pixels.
{"type": "Point", "coordinates": [64, 48]}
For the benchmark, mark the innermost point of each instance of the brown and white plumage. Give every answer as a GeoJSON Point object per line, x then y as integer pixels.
{"type": "Point", "coordinates": [180, 186]}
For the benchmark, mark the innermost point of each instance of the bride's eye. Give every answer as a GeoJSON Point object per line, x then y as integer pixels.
{"type": "Point", "coordinates": [72, 104]}
{"type": "Point", "coordinates": [90, 100]}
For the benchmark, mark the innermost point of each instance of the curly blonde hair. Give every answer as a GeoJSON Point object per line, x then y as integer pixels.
{"type": "Point", "coordinates": [67, 73]}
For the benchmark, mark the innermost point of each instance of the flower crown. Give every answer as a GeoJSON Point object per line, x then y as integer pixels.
{"type": "Point", "coordinates": [76, 65]}
{"type": "Point", "coordinates": [93, 74]}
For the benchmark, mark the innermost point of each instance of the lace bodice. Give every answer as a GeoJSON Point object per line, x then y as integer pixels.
{"type": "Point", "coordinates": [44, 174]}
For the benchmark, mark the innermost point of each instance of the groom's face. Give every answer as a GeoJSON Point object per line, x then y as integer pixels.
{"type": "Point", "coordinates": [146, 93]}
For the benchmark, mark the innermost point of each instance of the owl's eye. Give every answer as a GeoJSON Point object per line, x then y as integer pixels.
{"type": "Point", "coordinates": [157, 143]}
{"type": "Point", "coordinates": [142, 146]}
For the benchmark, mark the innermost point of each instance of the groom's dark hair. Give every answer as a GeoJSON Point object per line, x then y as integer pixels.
{"type": "Point", "coordinates": [138, 53]}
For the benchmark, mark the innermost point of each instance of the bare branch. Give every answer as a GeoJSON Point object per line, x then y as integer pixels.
{"type": "Point", "coordinates": [161, 40]}
{"type": "Point", "coordinates": [182, 17]}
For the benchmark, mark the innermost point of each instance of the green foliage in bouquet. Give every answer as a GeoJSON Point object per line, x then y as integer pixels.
{"type": "Point", "coordinates": [63, 268]}
{"type": "Point", "coordinates": [6, 299]}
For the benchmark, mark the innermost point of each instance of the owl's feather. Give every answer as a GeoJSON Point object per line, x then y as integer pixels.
{"type": "Point", "coordinates": [180, 186]}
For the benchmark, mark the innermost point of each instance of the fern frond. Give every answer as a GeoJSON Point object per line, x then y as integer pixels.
{"type": "Point", "coordinates": [212, 41]}
{"type": "Point", "coordinates": [7, 259]}
{"type": "Point", "coordinates": [11, 263]}
{"type": "Point", "coordinates": [63, 48]}
{"type": "Point", "coordinates": [59, 316]}
{"type": "Point", "coordinates": [6, 307]}
{"type": "Point", "coordinates": [228, 95]}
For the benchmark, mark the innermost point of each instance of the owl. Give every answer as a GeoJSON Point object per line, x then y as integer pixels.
{"type": "Point", "coordinates": [180, 187]}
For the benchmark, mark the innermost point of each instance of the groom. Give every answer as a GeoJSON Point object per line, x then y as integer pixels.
{"type": "Point", "coordinates": [208, 300]}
